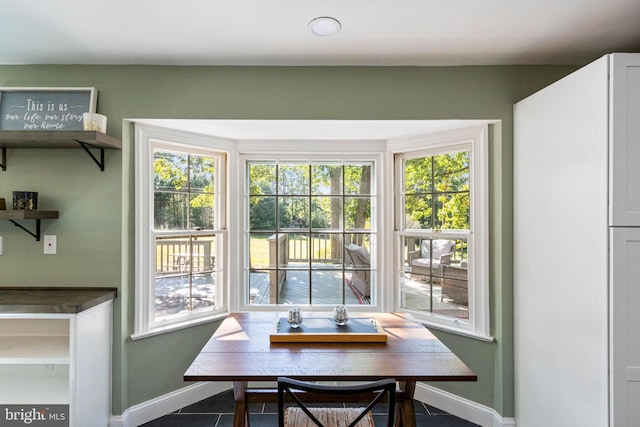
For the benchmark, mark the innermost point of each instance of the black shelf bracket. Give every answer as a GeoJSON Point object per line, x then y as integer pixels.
{"type": "Point", "coordinates": [86, 146]}
{"type": "Point", "coordinates": [3, 165]}
{"type": "Point", "coordinates": [36, 234]}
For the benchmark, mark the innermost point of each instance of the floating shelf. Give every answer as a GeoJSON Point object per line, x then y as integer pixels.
{"type": "Point", "coordinates": [58, 139]}
{"type": "Point", "coordinates": [28, 214]}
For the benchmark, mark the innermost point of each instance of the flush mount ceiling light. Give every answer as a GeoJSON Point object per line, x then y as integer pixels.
{"type": "Point", "coordinates": [324, 26]}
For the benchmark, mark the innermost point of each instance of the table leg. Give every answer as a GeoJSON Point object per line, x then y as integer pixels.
{"type": "Point", "coordinates": [241, 407]}
{"type": "Point", "coordinates": [406, 416]}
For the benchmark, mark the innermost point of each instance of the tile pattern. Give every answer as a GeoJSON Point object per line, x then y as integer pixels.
{"type": "Point", "coordinates": [217, 411]}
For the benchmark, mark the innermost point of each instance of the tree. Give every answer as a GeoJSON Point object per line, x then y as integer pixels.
{"type": "Point", "coordinates": [437, 192]}
{"type": "Point", "coordinates": [183, 189]}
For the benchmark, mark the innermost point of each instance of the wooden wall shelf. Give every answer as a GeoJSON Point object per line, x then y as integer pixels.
{"type": "Point", "coordinates": [58, 139]}
{"type": "Point", "coordinates": [28, 214]}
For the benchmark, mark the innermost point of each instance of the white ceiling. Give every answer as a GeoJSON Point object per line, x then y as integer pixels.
{"type": "Point", "coordinates": [274, 32]}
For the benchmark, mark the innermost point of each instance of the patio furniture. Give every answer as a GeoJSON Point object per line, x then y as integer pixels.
{"type": "Point", "coordinates": [432, 255]}
{"type": "Point", "coordinates": [303, 416]}
{"type": "Point", "coordinates": [455, 283]}
{"type": "Point", "coordinates": [358, 258]}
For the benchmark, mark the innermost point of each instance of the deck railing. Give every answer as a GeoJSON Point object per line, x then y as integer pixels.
{"type": "Point", "coordinates": [322, 249]}
{"type": "Point", "coordinates": [175, 256]}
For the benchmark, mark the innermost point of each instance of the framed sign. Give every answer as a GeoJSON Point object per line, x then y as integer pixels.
{"type": "Point", "coordinates": [41, 108]}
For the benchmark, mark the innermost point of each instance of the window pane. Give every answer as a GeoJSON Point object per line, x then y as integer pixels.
{"type": "Point", "coordinates": [170, 171]}
{"type": "Point", "coordinates": [418, 212]}
{"type": "Point", "coordinates": [293, 179]}
{"type": "Point", "coordinates": [357, 264]}
{"type": "Point", "coordinates": [330, 288]}
{"type": "Point", "coordinates": [437, 192]}
{"type": "Point", "coordinates": [434, 277]}
{"type": "Point", "coordinates": [451, 172]}
{"type": "Point", "coordinates": [326, 212]}
{"type": "Point", "coordinates": [326, 179]}
{"type": "Point", "coordinates": [262, 178]}
{"type": "Point", "coordinates": [299, 250]}
{"type": "Point", "coordinates": [170, 210]}
{"type": "Point", "coordinates": [262, 213]}
{"type": "Point", "coordinates": [418, 175]}
{"type": "Point", "coordinates": [360, 239]}
{"type": "Point", "coordinates": [258, 250]}
{"type": "Point", "coordinates": [182, 294]}
{"type": "Point", "coordinates": [202, 259]}
{"type": "Point", "coordinates": [327, 251]}
{"type": "Point", "coordinates": [258, 291]}
{"type": "Point", "coordinates": [357, 213]}
{"type": "Point", "coordinates": [452, 211]}
{"type": "Point", "coordinates": [172, 296]}
{"type": "Point", "coordinates": [202, 174]}
{"type": "Point", "coordinates": [293, 212]}
{"type": "Point", "coordinates": [357, 179]}
{"type": "Point", "coordinates": [179, 255]}
{"type": "Point", "coordinates": [171, 255]}
{"type": "Point", "coordinates": [296, 291]}
{"type": "Point", "coordinates": [308, 266]}
{"type": "Point", "coordinates": [201, 212]}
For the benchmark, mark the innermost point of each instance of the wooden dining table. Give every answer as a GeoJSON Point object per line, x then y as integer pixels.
{"type": "Point", "coordinates": [241, 350]}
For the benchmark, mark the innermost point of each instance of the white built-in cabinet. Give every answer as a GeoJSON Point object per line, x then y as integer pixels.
{"type": "Point", "coordinates": [58, 359]}
{"type": "Point", "coordinates": [577, 249]}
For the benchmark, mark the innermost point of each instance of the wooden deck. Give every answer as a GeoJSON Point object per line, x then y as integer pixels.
{"type": "Point", "coordinates": [328, 287]}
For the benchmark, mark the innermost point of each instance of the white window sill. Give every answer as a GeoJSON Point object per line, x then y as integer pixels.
{"type": "Point", "coordinates": [177, 326]}
{"type": "Point", "coordinates": [457, 331]}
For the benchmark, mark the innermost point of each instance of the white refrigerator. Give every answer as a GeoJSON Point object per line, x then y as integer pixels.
{"type": "Point", "coordinates": [577, 249]}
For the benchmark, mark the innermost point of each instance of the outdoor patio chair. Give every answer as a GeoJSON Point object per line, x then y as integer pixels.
{"type": "Point", "coordinates": [432, 255]}
{"type": "Point", "coordinates": [455, 283]}
{"type": "Point", "coordinates": [358, 258]}
{"type": "Point", "coordinates": [300, 415]}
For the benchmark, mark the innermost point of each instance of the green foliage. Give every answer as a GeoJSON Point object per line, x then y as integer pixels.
{"type": "Point", "coordinates": [437, 192]}
{"type": "Point", "coordinates": [184, 188]}
{"type": "Point", "coordinates": [327, 183]}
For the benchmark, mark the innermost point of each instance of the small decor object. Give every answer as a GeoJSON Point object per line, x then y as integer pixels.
{"type": "Point", "coordinates": [341, 315]}
{"type": "Point", "coordinates": [3, 205]}
{"type": "Point", "coordinates": [295, 317]}
{"type": "Point", "coordinates": [95, 121]}
{"type": "Point", "coordinates": [25, 200]}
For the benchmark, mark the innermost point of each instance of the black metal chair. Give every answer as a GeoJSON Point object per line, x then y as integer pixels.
{"type": "Point", "coordinates": [305, 416]}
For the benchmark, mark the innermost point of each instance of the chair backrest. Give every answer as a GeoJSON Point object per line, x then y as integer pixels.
{"type": "Point", "coordinates": [377, 389]}
{"type": "Point", "coordinates": [440, 247]}
{"type": "Point", "coordinates": [358, 256]}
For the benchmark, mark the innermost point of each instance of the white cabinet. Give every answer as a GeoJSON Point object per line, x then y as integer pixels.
{"type": "Point", "coordinates": [625, 303]}
{"type": "Point", "coordinates": [59, 359]}
{"type": "Point", "coordinates": [577, 249]}
{"type": "Point", "coordinates": [624, 153]}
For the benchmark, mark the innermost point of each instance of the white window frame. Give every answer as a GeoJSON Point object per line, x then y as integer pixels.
{"type": "Point", "coordinates": [309, 150]}
{"type": "Point", "coordinates": [476, 140]}
{"type": "Point", "coordinates": [149, 138]}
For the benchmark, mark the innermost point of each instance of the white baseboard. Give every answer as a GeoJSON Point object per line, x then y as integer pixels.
{"type": "Point", "coordinates": [171, 402]}
{"type": "Point", "coordinates": [461, 407]}
{"type": "Point", "coordinates": [165, 404]}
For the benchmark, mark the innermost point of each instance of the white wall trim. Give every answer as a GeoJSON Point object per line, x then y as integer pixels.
{"type": "Point", "coordinates": [171, 402]}
{"type": "Point", "coordinates": [461, 407]}
{"type": "Point", "coordinates": [167, 403]}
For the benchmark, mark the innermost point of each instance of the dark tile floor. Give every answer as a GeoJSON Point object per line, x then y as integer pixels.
{"type": "Point", "coordinates": [217, 411]}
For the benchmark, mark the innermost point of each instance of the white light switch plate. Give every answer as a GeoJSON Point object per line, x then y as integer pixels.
{"type": "Point", "coordinates": [50, 245]}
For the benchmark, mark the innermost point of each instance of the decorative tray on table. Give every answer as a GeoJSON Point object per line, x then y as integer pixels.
{"type": "Point", "coordinates": [325, 329]}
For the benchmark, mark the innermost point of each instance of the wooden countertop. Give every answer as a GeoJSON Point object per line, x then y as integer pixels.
{"type": "Point", "coordinates": [52, 300]}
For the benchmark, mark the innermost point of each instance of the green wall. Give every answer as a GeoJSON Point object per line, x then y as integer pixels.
{"type": "Point", "coordinates": [95, 231]}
